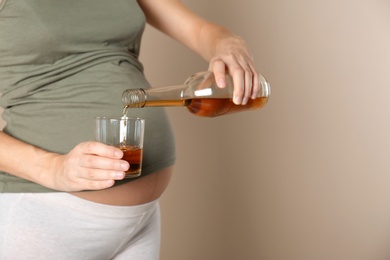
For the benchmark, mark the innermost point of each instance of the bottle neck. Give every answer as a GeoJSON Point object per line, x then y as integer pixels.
{"type": "Point", "coordinates": [134, 98]}
{"type": "Point", "coordinates": [154, 97]}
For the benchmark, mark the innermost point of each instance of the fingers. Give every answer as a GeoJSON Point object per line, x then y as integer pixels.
{"type": "Point", "coordinates": [233, 57]}
{"type": "Point", "coordinates": [100, 149]}
{"type": "Point", "coordinates": [255, 85]}
{"type": "Point", "coordinates": [242, 80]}
{"type": "Point", "coordinates": [90, 166]}
{"type": "Point", "coordinates": [95, 156]}
{"type": "Point", "coordinates": [103, 163]}
{"type": "Point", "coordinates": [245, 79]}
{"type": "Point", "coordinates": [244, 75]}
{"type": "Point", "coordinates": [218, 67]}
{"type": "Point", "coordinates": [93, 185]}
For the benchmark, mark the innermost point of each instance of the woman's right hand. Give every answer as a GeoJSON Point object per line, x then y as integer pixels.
{"type": "Point", "coordinates": [89, 166]}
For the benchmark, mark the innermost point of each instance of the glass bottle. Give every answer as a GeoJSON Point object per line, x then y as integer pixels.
{"type": "Point", "coordinates": [200, 94]}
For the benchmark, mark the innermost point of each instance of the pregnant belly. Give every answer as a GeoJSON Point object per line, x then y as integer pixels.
{"type": "Point", "coordinates": [140, 191]}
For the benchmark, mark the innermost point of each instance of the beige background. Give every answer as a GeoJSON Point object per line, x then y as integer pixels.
{"type": "Point", "coordinates": [307, 177]}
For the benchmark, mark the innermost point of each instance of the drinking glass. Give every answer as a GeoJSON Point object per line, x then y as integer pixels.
{"type": "Point", "coordinates": [128, 135]}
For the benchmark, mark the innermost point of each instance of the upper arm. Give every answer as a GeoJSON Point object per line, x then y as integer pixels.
{"type": "Point", "coordinates": [174, 19]}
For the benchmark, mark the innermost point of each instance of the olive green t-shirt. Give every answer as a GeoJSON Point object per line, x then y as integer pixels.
{"type": "Point", "coordinates": [65, 62]}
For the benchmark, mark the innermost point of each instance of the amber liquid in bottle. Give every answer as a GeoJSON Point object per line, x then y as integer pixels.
{"type": "Point", "coordinates": [211, 107]}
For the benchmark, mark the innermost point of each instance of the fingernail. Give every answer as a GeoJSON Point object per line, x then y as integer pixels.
{"type": "Point", "coordinates": [109, 183]}
{"type": "Point", "coordinates": [118, 175]}
{"type": "Point", "coordinates": [124, 166]}
{"type": "Point", "coordinates": [221, 83]}
{"type": "Point", "coordinates": [118, 154]}
{"type": "Point", "coordinates": [237, 100]}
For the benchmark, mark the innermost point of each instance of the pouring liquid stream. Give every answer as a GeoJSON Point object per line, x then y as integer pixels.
{"type": "Point", "coordinates": [123, 128]}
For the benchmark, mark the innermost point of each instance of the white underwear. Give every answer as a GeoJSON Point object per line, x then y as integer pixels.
{"type": "Point", "coordinates": [48, 226]}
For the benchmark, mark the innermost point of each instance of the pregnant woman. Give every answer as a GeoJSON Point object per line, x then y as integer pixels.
{"type": "Point", "coordinates": [63, 63]}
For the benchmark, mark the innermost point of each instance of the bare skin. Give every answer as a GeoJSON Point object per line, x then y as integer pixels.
{"type": "Point", "coordinates": [137, 192]}
{"type": "Point", "coordinates": [95, 166]}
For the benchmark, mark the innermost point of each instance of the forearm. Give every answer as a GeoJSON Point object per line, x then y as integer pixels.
{"type": "Point", "coordinates": [174, 19]}
{"type": "Point", "coordinates": [89, 166]}
{"type": "Point", "coordinates": [23, 160]}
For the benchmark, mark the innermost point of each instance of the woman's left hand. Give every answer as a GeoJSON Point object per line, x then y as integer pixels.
{"type": "Point", "coordinates": [232, 57]}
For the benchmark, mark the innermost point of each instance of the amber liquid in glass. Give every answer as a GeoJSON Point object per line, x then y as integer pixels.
{"type": "Point", "coordinates": [133, 155]}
